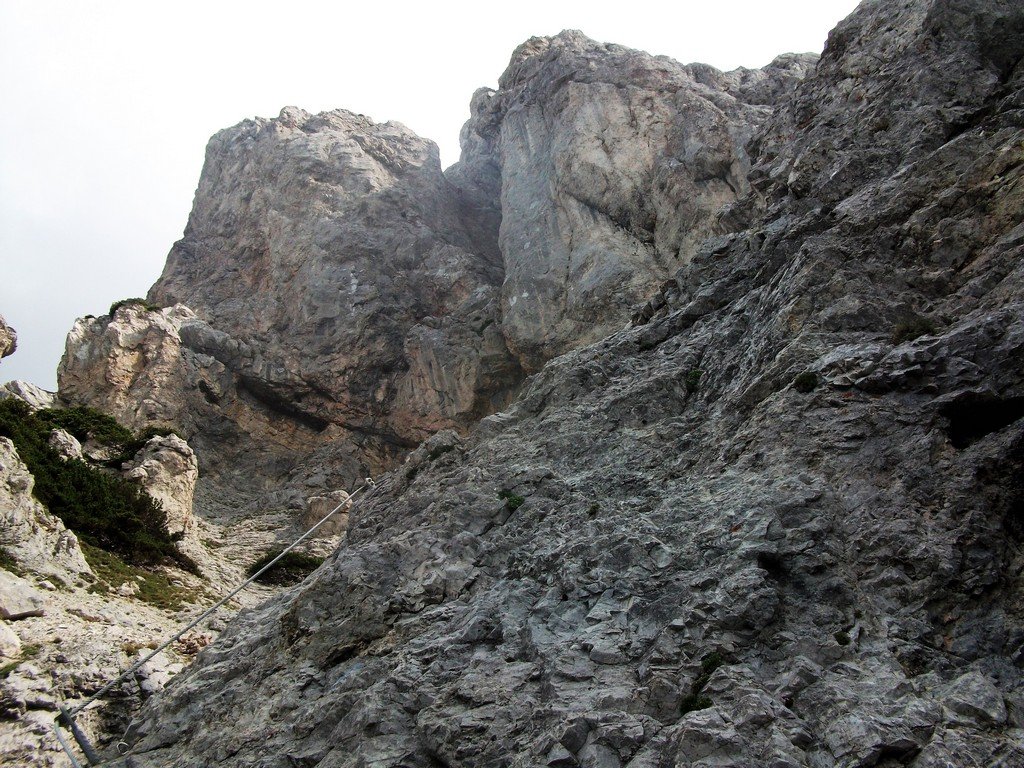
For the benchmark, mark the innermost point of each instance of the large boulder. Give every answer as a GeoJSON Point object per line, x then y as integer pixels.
{"type": "Point", "coordinates": [34, 396]}
{"type": "Point", "coordinates": [166, 468]}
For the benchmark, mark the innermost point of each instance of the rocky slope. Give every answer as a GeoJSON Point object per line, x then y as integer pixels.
{"type": "Point", "coordinates": [778, 522]}
{"type": "Point", "coordinates": [69, 624]}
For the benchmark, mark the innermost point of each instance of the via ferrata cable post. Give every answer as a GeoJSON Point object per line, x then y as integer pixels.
{"type": "Point", "coordinates": [68, 721]}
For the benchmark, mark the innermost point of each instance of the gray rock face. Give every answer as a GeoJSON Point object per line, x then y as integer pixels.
{"type": "Point", "coordinates": [35, 397]}
{"type": "Point", "coordinates": [332, 252]}
{"type": "Point", "coordinates": [8, 338]}
{"type": "Point", "coordinates": [776, 523]}
{"type": "Point", "coordinates": [606, 167]}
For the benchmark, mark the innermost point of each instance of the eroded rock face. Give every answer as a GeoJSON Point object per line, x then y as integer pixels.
{"type": "Point", "coordinates": [168, 368]}
{"type": "Point", "coordinates": [167, 469]}
{"type": "Point", "coordinates": [30, 394]}
{"type": "Point", "coordinates": [36, 540]}
{"type": "Point", "coordinates": [332, 250]}
{"type": "Point", "coordinates": [608, 167]}
{"type": "Point", "coordinates": [777, 522]}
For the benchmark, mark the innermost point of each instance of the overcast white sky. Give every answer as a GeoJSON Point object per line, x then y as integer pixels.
{"type": "Point", "coordinates": [108, 105]}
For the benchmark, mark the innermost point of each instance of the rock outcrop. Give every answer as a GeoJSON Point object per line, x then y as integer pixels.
{"type": "Point", "coordinates": [332, 251]}
{"type": "Point", "coordinates": [344, 294]}
{"type": "Point", "coordinates": [605, 167]}
{"type": "Point", "coordinates": [34, 396]}
{"type": "Point", "coordinates": [8, 339]}
{"type": "Point", "coordinates": [166, 468]}
{"type": "Point", "coordinates": [30, 537]}
{"type": "Point", "coordinates": [167, 368]}
{"type": "Point", "coordinates": [776, 522]}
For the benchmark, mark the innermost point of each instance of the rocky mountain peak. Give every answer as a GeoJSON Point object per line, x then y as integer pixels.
{"type": "Point", "coordinates": [695, 399]}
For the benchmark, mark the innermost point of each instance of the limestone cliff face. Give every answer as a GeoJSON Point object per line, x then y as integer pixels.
{"type": "Point", "coordinates": [334, 288]}
{"type": "Point", "coordinates": [776, 523]}
{"type": "Point", "coordinates": [331, 249]}
{"type": "Point", "coordinates": [606, 167]}
{"type": "Point", "coordinates": [169, 368]}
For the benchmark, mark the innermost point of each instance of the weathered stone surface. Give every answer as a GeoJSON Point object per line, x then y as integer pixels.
{"type": "Point", "coordinates": [10, 643]}
{"type": "Point", "coordinates": [669, 550]}
{"type": "Point", "coordinates": [18, 599]}
{"type": "Point", "coordinates": [35, 397]}
{"type": "Point", "coordinates": [167, 469]}
{"type": "Point", "coordinates": [332, 249]}
{"type": "Point", "coordinates": [65, 444]}
{"type": "Point", "coordinates": [8, 339]}
{"type": "Point", "coordinates": [608, 167]}
{"type": "Point", "coordinates": [318, 507]}
{"type": "Point", "coordinates": [168, 368]}
{"type": "Point", "coordinates": [36, 540]}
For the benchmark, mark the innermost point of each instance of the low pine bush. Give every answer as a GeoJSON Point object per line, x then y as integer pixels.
{"type": "Point", "coordinates": [104, 510]}
{"type": "Point", "coordinates": [290, 569]}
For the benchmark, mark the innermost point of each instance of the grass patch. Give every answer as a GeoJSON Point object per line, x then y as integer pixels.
{"type": "Point", "coordinates": [911, 328]}
{"type": "Point", "coordinates": [290, 569]}
{"type": "Point", "coordinates": [7, 668]}
{"type": "Point", "coordinates": [692, 380]}
{"type": "Point", "coordinates": [136, 301]}
{"type": "Point", "coordinates": [31, 650]}
{"type": "Point", "coordinates": [512, 501]}
{"type": "Point", "coordinates": [155, 587]}
{"type": "Point", "coordinates": [131, 648]}
{"type": "Point", "coordinates": [104, 510]}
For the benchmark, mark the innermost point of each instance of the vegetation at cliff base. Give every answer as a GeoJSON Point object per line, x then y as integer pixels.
{"type": "Point", "coordinates": [85, 423]}
{"type": "Point", "coordinates": [133, 301]}
{"type": "Point", "coordinates": [154, 586]}
{"type": "Point", "coordinates": [290, 569]}
{"type": "Point", "coordinates": [104, 510]}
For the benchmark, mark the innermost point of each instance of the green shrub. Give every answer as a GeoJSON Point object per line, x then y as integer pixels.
{"type": "Point", "coordinates": [136, 301]}
{"type": "Point", "coordinates": [290, 569]}
{"type": "Point", "coordinates": [131, 447]}
{"type": "Point", "coordinates": [9, 563]}
{"type": "Point", "coordinates": [512, 501]}
{"type": "Point", "coordinates": [104, 510]}
{"type": "Point", "coordinates": [692, 380]}
{"type": "Point", "coordinates": [805, 382]}
{"type": "Point", "coordinates": [694, 700]}
{"type": "Point", "coordinates": [84, 422]}
{"type": "Point", "coordinates": [911, 328]}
